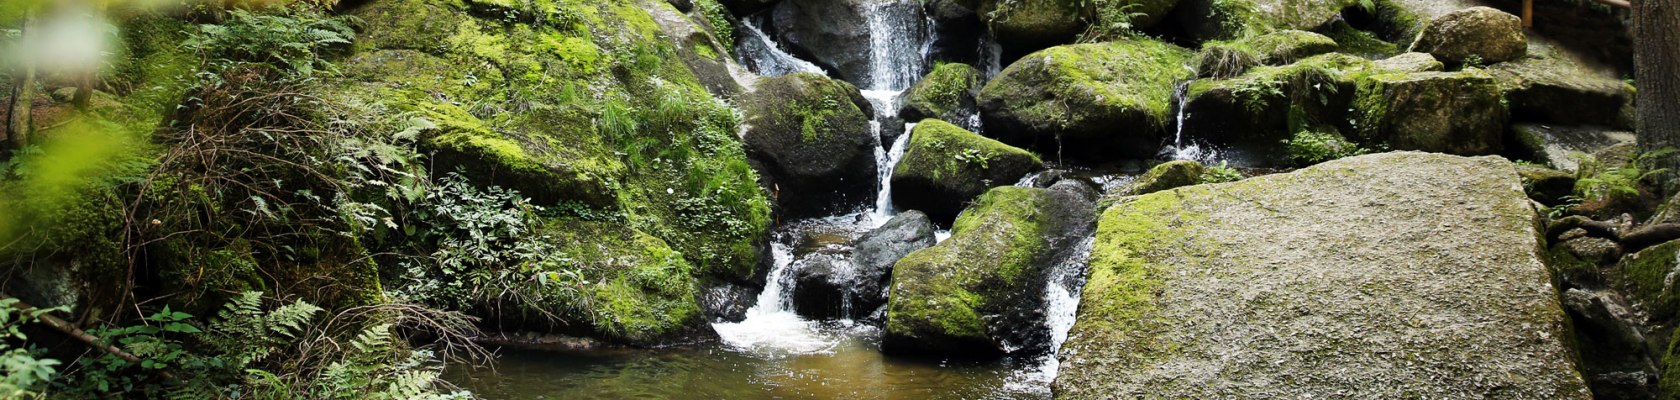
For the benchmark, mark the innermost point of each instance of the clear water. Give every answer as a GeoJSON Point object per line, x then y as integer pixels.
{"type": "Point", "coordinates": [774, 353]}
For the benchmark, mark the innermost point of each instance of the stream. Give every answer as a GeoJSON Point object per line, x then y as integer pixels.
{"type": "Point", "coordinates": [775, 353]}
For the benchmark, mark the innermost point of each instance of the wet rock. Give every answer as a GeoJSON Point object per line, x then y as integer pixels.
{"type": "Point", "coordinates": [1411, 62]}
{"type": "Point", "coordinates": [956, 24]}
{"type": "Point", "coordinates": [727, 302]}
{"type": "Point", "coordinates": [1445, 112]}
{"type": "Point", "coordinates": [1480, 35]}
{"type": "Point", "coordinates": [1545, 185]}
{"type": "Point", "coordinates": [947, 93]}
{"type": "Point", "coordinates": [1263, 286]}
{"type": "Point", "coordinates": [945, 166]}
{"type": "Point", "coordinates": [821, 286]}
{"type": "Point", "coordinates": [811, 136]}
{"type": "Point", "coordinates": [1166, 176]}
{"type": "Point", "coordinates": [1552, 145]}
{"type": "Point", "coordinates": [1225, 19]}
{"type": "Point", "coordinates": [747, 7]}
{"type": "Point", "coordinates": [830, 34]}
{"type": "Point", "coordinates": [1099, 101]}
{"type": "Point", "coordinates": [980, 292]}
{"type": "Point", "coordinates": [859, 290]}
{"type": "Point", "coordinates": [1287, 46]}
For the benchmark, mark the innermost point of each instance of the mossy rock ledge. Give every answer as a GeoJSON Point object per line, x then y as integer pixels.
{"type": "Point", "coordinates": [1024, 26]}
{"type": "Point", "coordinates": [1094, 101]}
{"type": "Point", "coordinates": [1446, 112]}
{"type": "Point", "coordinates": [947, 93]}
{"type": "Point", "coordinates": [1395, 275]}
{"type": "Point", "coordinates": [979, 293]}
{"type": "Point", "coordinates": [810, 136]}
{"type": "Point", "coordinates": [945, 166]}
{"type": "Point", "coordinates": [1232, 19]}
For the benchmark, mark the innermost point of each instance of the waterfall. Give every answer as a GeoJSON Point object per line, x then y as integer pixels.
{"type": "Point", "coordinates": [899, 33]}
{"type": "Point", "coordinates": [761, 54]}
{"type": "Point", "coordinates": [1182, 149]}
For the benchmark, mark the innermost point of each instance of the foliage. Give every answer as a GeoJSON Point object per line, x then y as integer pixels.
{"type": "Point", "coordinates": [253, 351]}
{"type": "Point", "coordinates": [1220, 173]}
{"type": "Point", "coordinates": [976, 157]}
{"type": "Point", "coordinates": [1599, 182]}
{"type": "Point", "coordinates": [24, 371]}
{"type": "Point", "coordinates": [295, 38]}
{"type": "Point", "coordinates": [1310, 147]}
{"type": "Point", "coordinates": [1109, 22]}
{"type": "Point", "coordinates": [718, 18]}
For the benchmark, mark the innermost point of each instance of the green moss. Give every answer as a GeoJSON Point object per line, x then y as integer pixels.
{"type": "Point", "coordinates": [1361, 43]}
{"type": "Point", "coordinates": [1166, 176]}
{"type": "Point", "coordinates": [717, 19]}
{"type": "Point", "coordinates": [1287, 46]}
{"type": "Point", "coordinates": [940, 293]}
{"type": "Point", "coordinates": [1088, 91]}
{"type": "Point", "coordinates": [1645, 276]}
{"type": "Point", "coordinates": [638, 289]}
{"type": "Point", "coordinates": [1127, 273]}
{"type": "Point", "coordinates": [944, 90]}
{"type": "Point", "coordinates": [1453, 112]}
{"type": "Point", "coordinates": [940, 151]}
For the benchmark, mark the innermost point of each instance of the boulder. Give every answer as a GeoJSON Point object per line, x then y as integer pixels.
{"type": "Point", "coordinates": [811, 136]}
{"type": "Point", "coordinates": [1026, 26]}
{"type": "Point", "coordinates": [1577, 260]}
{"type": "Point", "coordinates": [1392, 275]}
{"type": "Point", "coordinates": [1477, 35]}
{"type": "Point", "coordinates": [945, 166]}
{"type": "Point", "coordinates": [1545, 185]}
{"type": "Point", "coordinates": [1647, 276]}
{"type": "Point", "coordinates": [1549, 87]}
{"type": "Point", "coordinates": [1257, 111]}
{"type": "Point", "coordinates": [836, 34]}
{"type": "Point", "coordinates": [1554, 145]}
{"type": "Point", "coordinates": [1231, 19]}
{"type": "Point", "coordinates": [1167, 176]}
{"type": "Point", "coordinates": [1616, 357]}
{"type": "Point", "coordinates": [955, 25]}
{"type": "Point", "coordinates": [877, 251]}
{"type": "Point", "coordinates": [1446, 112]}
{"type": "Point", "coordinates": [1097, 101]}
{"type": "Point", "coordinates": [1287, 46]}
{"type": "Point", "coordinates": [821, 282]}
{"type": "Point", "coordinates": [1411, 62]}
{"type": "Point", "coordinates": [727, 302]}
{"type": "Point", "coordinates": [981, 292]}
{"type": "Point", "coordinates": [947, 93]}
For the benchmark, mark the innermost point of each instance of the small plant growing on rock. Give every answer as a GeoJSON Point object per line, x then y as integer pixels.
{"type": "Point", "coordinates": [1605, 188]}
{"type": "Point", "coordinates": [1309, 147]}
{"type": "Point", "coordinates": [1220, 173]}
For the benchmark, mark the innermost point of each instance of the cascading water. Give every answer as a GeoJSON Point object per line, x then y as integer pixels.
{"type": "Point", "coordinates": [1182, 149]}
{"type": "Point", "coordinates": [758, 52]}
{"type": "Point", "coordinates": [899, 42]}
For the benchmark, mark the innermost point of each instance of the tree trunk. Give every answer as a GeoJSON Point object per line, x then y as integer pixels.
{"type": "Point", "coordinates": [18, 123]}
{"type": "Point", "coordinates": [1656, 33]}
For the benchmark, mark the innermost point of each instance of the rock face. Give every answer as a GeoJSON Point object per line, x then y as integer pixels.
{"type": "Point", "coordinates": [980, 292]}
{"type": "Point", "coordinates": [1025, 26]}
{"type": "Point", "coordinates": [1445, 112]}
{"type": "Point", "coordinates": [1548, 88]}
{"type": "Point", "coordinates": [1260, 109]}
{"type": "Point", "coordinates": [945, 166]}
{"type": "Point", "coordinates": [1393, 275]}
{"type": "Point", "coordinates": [1411, 62]}
{"type": "Point", "coordinates": [811, 136]}
{"type": "Point", "coordinates": [1098, 101]}
{"type": "Point", "coordinates": [1230, 19]}
{"type": "Point", "coordinates": [830, 34]}
{"type": "Point", "coordinates": [877, 251]}
{"type": "Point", "coordinates": [1472, 34]}
{"type": "Point", "coordinates": [1647, 277]}
{"type": "Point", "coordinates": [1552, 145]}
{"type": "Point", "coordinates": [947, 93]}
{"type": "Point", "coordinates": [1284, 47]}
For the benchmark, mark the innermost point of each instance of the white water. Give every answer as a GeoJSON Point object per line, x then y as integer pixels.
{"type": "Point", "coordinates": [766, 58]}
{"type": "Point", "coordinates": [899, 45]}
{"type": "Point", "coordinates": [1182, 149]}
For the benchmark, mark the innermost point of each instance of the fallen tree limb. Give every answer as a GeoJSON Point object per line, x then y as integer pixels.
{"type": "Point", "coordinates": [70, 329]}
{"type": "Point", "coordinates": [1649, 235]}
{"type": "Point", "coordinates": [1594, 228]}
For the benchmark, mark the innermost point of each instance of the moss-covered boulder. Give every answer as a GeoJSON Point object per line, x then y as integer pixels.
{"type": "Point", "coordinates": [1382, 276]}
{"type": "Point", "coordinates": [1647, 278]}
{"type": "Point", "coordinates": [1481, 35]}
{"type": "Point", "coordinates": [945, 166]}
{"type": "Point", "coordinates": [1287, 46]}
{"type": "Point", "coordinates": [979, 293]}
{"type": "Point", "coordinates": [1412, 62]}
{"type": "Point", "coordinates": [1545, 185]}
{"type": "Point", "coordinates": [1024, 26]}
{"type": "Point", "coordinates": [1231, 19]}
{"type": "Point", "coordinates": [1099, 100]}
{"type": "Point", "coordinates": [1168, 175]}
{"type": "Point", "coordinates": [811, 136]}
{"type": "Point", "coordinates": [947, 93]}
{"type": "Point", "coordinates": [1447, 112]}
{"type": "Point", "coordinates": [634, 287]}
{"type": "Point", "coordinates": [1257, 111]}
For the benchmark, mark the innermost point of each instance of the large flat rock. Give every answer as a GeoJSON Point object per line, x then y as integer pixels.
{"type": "Point", "coordinates": [1396, 275]}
